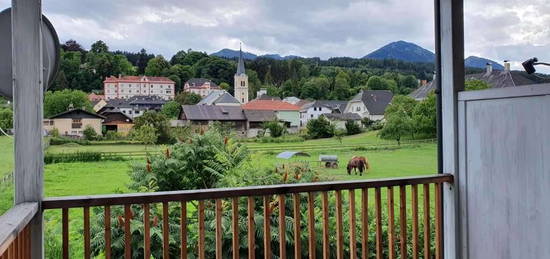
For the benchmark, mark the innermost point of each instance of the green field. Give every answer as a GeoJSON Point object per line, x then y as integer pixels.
{"type": "Point", "coordinates": [66, 179]}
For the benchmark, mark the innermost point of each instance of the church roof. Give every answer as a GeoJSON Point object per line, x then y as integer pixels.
{"type": "Point", "coordinates": [218, 97]}
{"type": "Point", "coordinates": [240, 65]}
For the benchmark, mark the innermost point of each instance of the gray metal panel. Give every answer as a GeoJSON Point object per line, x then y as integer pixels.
{"type": "Point", "coordinates": [505, 148]}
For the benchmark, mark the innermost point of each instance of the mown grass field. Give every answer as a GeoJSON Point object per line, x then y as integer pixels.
{"type": "Point", "coordinates": [107, 177]}
{"type": "Point", "coordinates": [68, 179]}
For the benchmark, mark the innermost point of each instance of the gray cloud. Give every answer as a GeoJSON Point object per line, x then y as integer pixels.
{"type": "Point", "coordinates": [496, 29]}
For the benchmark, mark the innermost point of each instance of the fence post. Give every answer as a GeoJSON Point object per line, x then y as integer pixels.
{"type": "Point", "coordinates": [27, 101]}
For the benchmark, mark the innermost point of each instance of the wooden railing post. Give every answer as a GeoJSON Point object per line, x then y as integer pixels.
{"type": "Point", "coordinates": [28, 99]}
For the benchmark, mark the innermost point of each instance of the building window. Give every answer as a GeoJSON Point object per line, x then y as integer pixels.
{"type": "Point", "coordinates": [129, 112]}
{"type": "Point", "coordinates": [311, 115]}
{"type": "Point", "coordinates": [242, 83]}
{"type": "Point", "coordinates": [76, 124]}
{"type": "Point", "coordinates": [358, 109]}
{"type": "Point", "coordinates": [48, 122]}
{"type": "Point", "coordinates": [168, 91]}
{"type": "Point", "coordinates": [242, 100]}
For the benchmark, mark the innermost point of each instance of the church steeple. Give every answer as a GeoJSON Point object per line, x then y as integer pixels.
{"type": "Point", "coordinates": [240, 66]}
{"type": "Point", "coordinates": [241, 80]}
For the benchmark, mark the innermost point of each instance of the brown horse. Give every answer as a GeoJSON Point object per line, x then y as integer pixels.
{"type": "Point", "coordinates": [358, 163]}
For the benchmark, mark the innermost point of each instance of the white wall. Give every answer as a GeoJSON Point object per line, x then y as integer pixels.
{"type": "Point", "coordinates": [312, 113]}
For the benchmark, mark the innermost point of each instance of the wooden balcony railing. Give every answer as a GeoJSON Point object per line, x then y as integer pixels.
{"type": "Point", "coordinates": [357, 238]}
{"type": "Point", "coordinates": [15, 241]}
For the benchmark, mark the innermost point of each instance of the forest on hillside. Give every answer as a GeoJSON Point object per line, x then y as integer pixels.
{"type": "Point", "coordinates": [335, 78]}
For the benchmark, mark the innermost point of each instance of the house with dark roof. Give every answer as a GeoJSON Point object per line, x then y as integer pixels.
{"type": "Point", "coordinates": [495, 79]}
{"type": "Point", "coordinates": [115, 120]}
{"type": "Point", "coordinates": [73, 122]}
{"type": "Point", "coordinates": [134, 106]}
{"type": "Point", "coordinates": [255, 120]}
{"type": "Point", "coordinates": [200, 86]}
{"type": "Point", "coordinates": [219, 97]}
{"type": "Point", "coordinates": [370, 103]}
{"type": "Point", "coordinates": [202, 116]}
{"type": "Point", "coordinates": [313, 110]}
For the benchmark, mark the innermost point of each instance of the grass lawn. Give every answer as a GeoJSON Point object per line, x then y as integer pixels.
{"type": "Point", "coordinates": [69, 148]}
{"type": "Point", "coordinates": [6, 155]}
{"type": "Point", "coordinates": [68, 179]}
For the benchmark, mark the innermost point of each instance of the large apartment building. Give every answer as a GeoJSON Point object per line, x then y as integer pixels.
{"type": "Point", "coordinates": [124, 87]}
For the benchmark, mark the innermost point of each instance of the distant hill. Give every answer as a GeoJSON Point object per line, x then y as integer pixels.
{"type": "Point", "coordinates": [229, 53]}
{"type": "Point", "coordinates": [477, 62]}
{"type": "Point", "coordinates": [402, 50]}
{"type": "Point", "coordinates": [278, 57]}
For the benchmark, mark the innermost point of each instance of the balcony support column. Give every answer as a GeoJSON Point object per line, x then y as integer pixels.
{"type": "Point", "coordinates": [27, 102]}
{"type": "Point", "coordinates": [450, 66]}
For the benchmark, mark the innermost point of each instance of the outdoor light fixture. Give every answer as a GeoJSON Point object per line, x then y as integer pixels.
{"type": "Point", "coordinates": [50, 53]}
{"type": "Point", "coordinates": [529, 65]}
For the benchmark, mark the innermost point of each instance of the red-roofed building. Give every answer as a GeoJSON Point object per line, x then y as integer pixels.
{"type": "Point", "coordinates": [95, 97]}
{"type": "Point", "coordinates": [124, 87]}
{"type": "Point", "coordinates": [285, 112]}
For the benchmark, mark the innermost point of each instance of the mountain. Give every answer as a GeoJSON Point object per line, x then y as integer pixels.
{"type": "Point", "coordinates": [278, 57]}
{"type": "Point", "coordinates": [229, 53]}
{"type": "Point", "coordinates": [477, 62]}
{"type": "Point", "coordinates": [402, 50]}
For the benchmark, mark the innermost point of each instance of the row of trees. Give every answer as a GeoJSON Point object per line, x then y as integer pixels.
{"type": "Point", "coordinates": [336, 78]}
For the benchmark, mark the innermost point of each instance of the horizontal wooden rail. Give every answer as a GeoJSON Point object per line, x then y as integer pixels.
{"type": "Point", "coordinates": [279, 228]}
{"type": "Point", "coordinates": [205, 194]}
{"type": "Point", "coordinates": [14, 233]}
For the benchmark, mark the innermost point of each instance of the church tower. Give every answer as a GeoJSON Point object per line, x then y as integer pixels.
{"type": "Point", "coordinates": [241, 81]}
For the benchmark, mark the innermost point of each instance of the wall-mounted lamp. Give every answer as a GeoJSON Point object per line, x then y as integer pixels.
{"type": "Point", "coordinates": [529, 65]}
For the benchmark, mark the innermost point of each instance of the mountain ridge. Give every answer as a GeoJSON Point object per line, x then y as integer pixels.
{"type": "Point", "coordinates": [399, 50]}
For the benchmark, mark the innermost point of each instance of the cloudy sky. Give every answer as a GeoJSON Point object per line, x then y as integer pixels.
{"type": "Point", "coordinates": [497, 29]}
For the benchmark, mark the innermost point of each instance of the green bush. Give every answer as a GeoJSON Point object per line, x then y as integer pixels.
{"type": "Point", "coordinates": [352, 128]}
{"type": "Point", "coordinates": [65, 140]}
{"type": "Point", "coordinates": [113, 135]}
{"type": "Point", "coordinates": [320, 128]}
{"type": "Point", "coordinates": [90, 133]}
{"type": "Point", "coordinates": [276, 129]}
{"type": "Point", "coordinates": [72, 157]}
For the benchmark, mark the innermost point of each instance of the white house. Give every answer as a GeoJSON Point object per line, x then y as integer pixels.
{"type": "Point", "coordinates": [370, 103]}
{"type": "Point", "coordinates": [124, 87]}
{"type": "Point", "coordinates": [315, 109]}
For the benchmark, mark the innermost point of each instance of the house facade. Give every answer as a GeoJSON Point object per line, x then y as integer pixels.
{"type": "Point", "coordinates": [370, 104]}
{"type": "Point", "coordinates": [73, 122]}
{"type": "Point", "coordinates": [200, 86]}
{"type": "Point", "coordinates": [125, 87]}
{"type": "Point", "coordinates": [202, 116]}
{"type": "Point", "coordinates": [117, 121]}
{"type": "Point", "coordinates": [135, 106]}
{"type": "Point", "coordinates": [285, 112]}
{"type": "Point", "coordinates": [315, 109]}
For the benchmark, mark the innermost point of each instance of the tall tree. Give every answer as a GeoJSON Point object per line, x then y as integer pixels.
{"type": "Point", "coordinates": [72, 45]}
{"type": "Point", "coordinates": [99, 47]}
{"type": "Point", "coordinates": [60, 101]}
{"type": "Point", "coordinates": [341, 86]}
{"type": "Point", "coordinates": [157, 66]}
